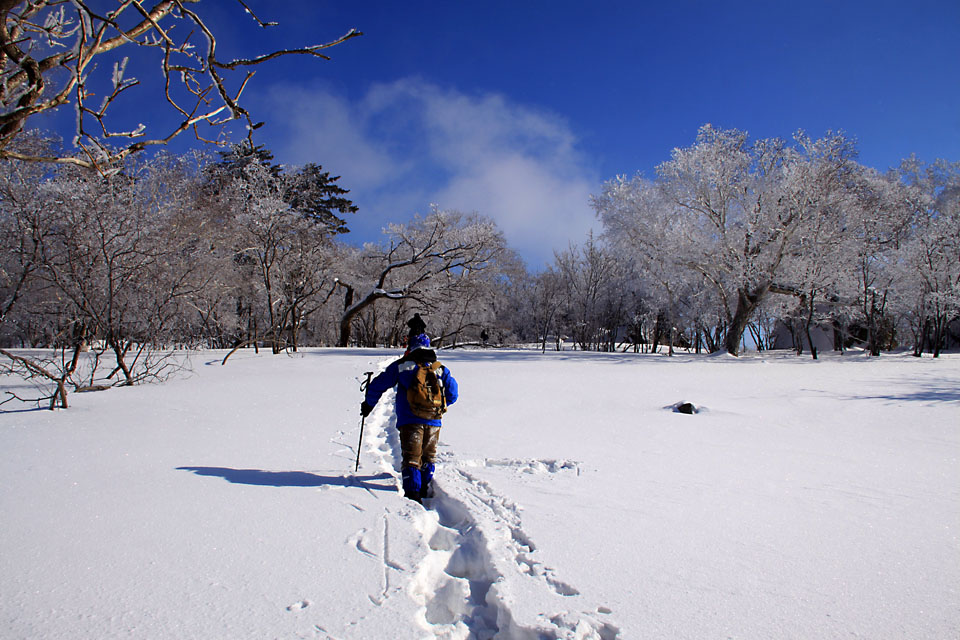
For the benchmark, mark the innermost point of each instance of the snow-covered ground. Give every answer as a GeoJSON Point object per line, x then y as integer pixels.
{"type": "Point", "coordinates": [806, 500]}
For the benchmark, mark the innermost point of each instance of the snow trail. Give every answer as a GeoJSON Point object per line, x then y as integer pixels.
{"type": "Point", "coordinates": [480, 577]}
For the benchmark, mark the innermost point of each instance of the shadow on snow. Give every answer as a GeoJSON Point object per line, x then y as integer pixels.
{"type": "Point", "coordinates": [930, 393]}
{"type": "Point", "coordinates": [259, 477]}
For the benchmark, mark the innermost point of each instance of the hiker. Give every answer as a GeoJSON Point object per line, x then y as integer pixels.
{"type": "Point", "coordinates": [425, 389]}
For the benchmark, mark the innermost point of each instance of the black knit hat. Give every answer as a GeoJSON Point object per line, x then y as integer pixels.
{"type": "Point", "coordinates": [416, 324]}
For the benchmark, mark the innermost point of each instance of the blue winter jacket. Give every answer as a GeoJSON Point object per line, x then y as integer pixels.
{"type": "Point", "coordinates": [400, 374]}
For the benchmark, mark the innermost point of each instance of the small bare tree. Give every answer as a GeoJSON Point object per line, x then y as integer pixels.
{"type": "Point", "coordinates": [592, 301]}
{"type": "Point", "coordinates": [51, 52]}
{"type": "Point", "coordinates": [544, 299]}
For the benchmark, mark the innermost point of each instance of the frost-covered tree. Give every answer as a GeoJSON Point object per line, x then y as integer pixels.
{"type": "Point", "coordinates": [118, 260]}
{"type": "Point", "coordinates": [875, 228]}
{"type": "Point", "coordinates": [817, 271]}
{"type": "Point", "coordinates": [476, 304]}
{"type": "Point", "coordinates": [54, 53]}
{"type": "Point", "coordinates": [114, 269]}
{"type": "Point", "coordinates": [544, 298]}
{"type": "Point", "coordinates": [730, 212]}
{"type": "Point", "coordinates": [930, 257]}
{"type": "Point", "coordinates": [424, 261]}
{"type": "Point", "coordinates": [309, 191]}
{"type": "Point", "coordinates": [818, 262]}
{"type": "Point", "coordinates": [24, 224]}
{"type": "Point", "coordinates": [594, 304]}
{"type": "Point", "coordinates": [282, 226]}
{"type": "Point", "coordinates": [25, 227]}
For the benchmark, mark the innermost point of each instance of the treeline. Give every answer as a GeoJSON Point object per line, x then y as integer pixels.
{"type": "Point", "coordinates": [734, 241]}
{"type": "Point", "coordinates": [192, 251]}
{"type": "Point", "coordinates": [730, 240]}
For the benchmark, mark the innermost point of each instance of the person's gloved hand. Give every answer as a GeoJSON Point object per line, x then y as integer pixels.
{"type": "Point", "coordinates": [365, 409]}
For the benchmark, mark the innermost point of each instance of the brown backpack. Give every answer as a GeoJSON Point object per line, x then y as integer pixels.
{"type": "Point", "coordinates": [425, 394]}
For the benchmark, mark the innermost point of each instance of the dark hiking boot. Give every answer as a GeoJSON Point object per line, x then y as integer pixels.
{"type": "Point", "coordinates": [410, 495]}
{"type": "Point", "coordinates": [411, 482]}
{"type": "Point", "coordinates": [426, 480]}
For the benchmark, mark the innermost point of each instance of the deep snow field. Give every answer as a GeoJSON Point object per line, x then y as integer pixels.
{"type": "Point", "coordinates": [807, 499]}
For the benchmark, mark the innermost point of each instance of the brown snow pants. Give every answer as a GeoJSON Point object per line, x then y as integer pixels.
{"type": "Point", "coordinates": [418, 443]}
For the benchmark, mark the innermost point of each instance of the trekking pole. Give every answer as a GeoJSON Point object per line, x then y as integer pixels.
{"type": "Point", "coordinates": [363, 418]}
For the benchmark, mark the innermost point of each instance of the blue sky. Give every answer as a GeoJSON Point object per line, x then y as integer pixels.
{"type": "Point", "coordinates": [520, 110]}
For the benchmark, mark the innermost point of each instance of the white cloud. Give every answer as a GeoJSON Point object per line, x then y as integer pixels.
{"type": "Point", "coordinates": [323, 128]}
{"type": "Point", "coordinates": [410, 143]}
{"type": "Point", "coordinates": [538, 210]}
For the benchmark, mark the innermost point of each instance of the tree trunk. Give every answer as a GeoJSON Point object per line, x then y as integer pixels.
{"type": "Point", "coordinates": [806, 329]}
{"type": "Point", "coordinates": [809, 306]}
{"type": "Point", "coordinates": [839, 332]}
{"type": "Point", "coordinates": [755, 333]}
{"type": "Point", "coordinates": [296, 322]}
{"type": "Point", "coordinates": [657, 329]}
{"type": "Point", "coordinates": [120, 353]}
{"type": "Point", "coordinates": [939, 331]}
{"type": "Point", "coordinates": [747, 303]}
{"type": "Point", "coordinates": [876, 334]}
{"type": "Point", "coordinates": [346, 319]}
{"type": "Point", "coordinates": [350, 311]}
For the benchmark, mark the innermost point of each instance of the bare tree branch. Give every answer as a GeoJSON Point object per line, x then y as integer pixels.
{"type": "Point", "coordinates": [58, 45]}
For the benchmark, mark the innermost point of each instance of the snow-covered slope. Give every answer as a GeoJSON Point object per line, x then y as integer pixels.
{"type": "Point", "coordinates": [805, 500]}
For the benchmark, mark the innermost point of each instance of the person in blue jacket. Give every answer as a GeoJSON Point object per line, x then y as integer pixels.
{"type": "Point", "coordinates": [418, 436]}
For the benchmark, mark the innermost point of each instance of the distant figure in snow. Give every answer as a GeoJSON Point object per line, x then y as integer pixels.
{"type": "Point", "coordinates": [425, 388]}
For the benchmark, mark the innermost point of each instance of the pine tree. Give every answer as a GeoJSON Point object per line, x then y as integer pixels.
{"type": "Point", "coordinates": [309, 191]}
{"type": "Point", "coordinates": [313, 193]}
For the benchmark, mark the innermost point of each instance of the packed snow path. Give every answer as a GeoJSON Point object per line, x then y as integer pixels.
{"type": "Point", "coordinates": [479, 577]}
